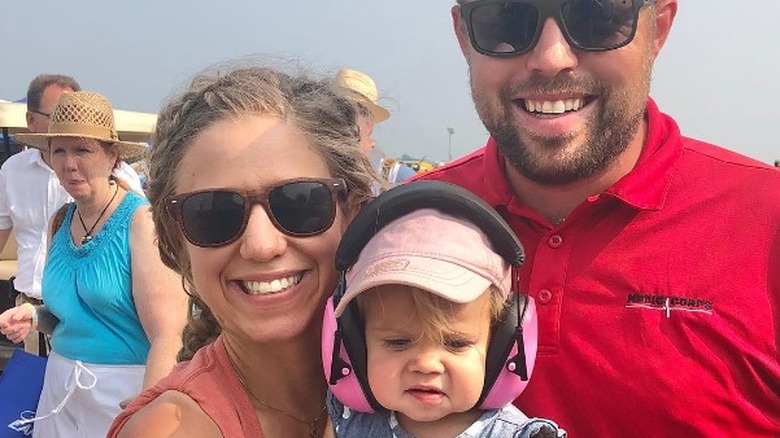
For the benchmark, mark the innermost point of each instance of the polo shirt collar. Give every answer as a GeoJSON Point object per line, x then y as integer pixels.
{"type": "Point", "coordinates": [645, 187]}
{"type": "Point", "coordinates": [36, 159]}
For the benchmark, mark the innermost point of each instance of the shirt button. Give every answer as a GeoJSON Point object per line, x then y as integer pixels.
{"type": "Point", "coordinates": [555, 241]}
{"type": "Point", "coordinates": [545, 296]}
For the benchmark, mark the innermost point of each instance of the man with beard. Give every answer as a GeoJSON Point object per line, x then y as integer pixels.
{"type": "Point", "coordinates": [654, 259]}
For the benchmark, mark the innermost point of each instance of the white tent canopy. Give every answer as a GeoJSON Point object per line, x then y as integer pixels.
{"type": "Point", "coordinates": [131, 125]}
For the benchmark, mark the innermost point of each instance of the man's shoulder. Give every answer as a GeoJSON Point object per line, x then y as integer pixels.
{"type": "Point", "coordinates": [730, 167]}
{"type": "Point", "coordinates": [21, 159]}
{"type": "Point", "coordinates": [467, 171]}
{"type": "Point", "coordinates": [720, 153]}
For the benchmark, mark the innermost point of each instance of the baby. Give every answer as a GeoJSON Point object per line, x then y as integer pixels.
{"type": "Point", "coordinates": [428, 291]}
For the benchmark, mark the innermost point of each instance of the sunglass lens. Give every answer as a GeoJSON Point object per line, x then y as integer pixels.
{"type": "Point", "coordinates": [503, 27]}
{"type": "Point", "coordinates": [599, 24]}
{"type": "Point", "coordinates": [302, 208]}
{"type": "Point", "coordinates": [212, 218]}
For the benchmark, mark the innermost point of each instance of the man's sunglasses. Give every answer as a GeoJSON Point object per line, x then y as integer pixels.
{"type": "Point", "coordinates": [299, 208]}
{"type": "Point", "coordinates": [512, 27]}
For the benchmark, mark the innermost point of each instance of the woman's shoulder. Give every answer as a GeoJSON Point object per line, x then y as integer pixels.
{"type": "Point", "coordinates": [174, 406]}
{"type": "Point", "coordinates": [132, 209]}
{"type": "Point", "coordinates": [140, 215]}
{"type": "Point", "coordinates": [136, 202]}
{"type": "Point", "coordinates": [171, 414]}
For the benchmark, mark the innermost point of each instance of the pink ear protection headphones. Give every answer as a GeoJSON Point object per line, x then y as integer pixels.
{"type": "Point", "coordinates": [512, 348]}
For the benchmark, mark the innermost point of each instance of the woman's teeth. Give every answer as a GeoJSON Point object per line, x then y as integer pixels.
{"type": "Point", "coordinates": [271, 287]}
{"type": "Point", "coordinates": [553, 106]}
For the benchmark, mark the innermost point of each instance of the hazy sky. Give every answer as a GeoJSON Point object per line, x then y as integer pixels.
{"type": "Point", "coordinates": [717, 74]}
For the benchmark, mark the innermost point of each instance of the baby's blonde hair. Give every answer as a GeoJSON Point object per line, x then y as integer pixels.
{"type": "Point", "coordinates": [436, 313]}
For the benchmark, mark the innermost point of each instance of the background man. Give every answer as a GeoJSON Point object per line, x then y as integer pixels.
{"type": "Point", "coordinates": [654, 258]}
{"type": "Point", "coordinates": [364, 93]}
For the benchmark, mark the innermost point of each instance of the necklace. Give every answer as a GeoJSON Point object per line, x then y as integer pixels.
{"type": "Point", "coordinates": [312, 425]}
{"type": "Point", "coordinates": [88, 233]}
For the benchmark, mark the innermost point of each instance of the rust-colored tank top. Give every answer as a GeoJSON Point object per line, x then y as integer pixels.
{"type": "Point", "coordinates": [209, 380]}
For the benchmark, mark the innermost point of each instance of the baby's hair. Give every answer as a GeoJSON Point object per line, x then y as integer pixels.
{"type": "Point", "coordinates": [436, 313]}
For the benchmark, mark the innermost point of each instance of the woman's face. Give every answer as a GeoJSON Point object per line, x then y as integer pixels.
{"type": "Point", "coordinates": [265, 286]}
{"type": "Point", "coordinates": [81, 164]}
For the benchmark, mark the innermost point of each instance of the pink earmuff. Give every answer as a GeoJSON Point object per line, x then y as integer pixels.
{"type": "Point", "coordinates": [346, 387]}
{"type": "Point", "coordinates": [508, 385]}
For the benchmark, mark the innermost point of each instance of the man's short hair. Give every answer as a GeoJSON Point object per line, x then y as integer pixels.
{"type": "Point", "coordinates": [41, 82]}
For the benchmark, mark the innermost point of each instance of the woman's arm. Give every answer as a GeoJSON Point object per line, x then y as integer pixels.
{"type": "Point", "coordinates": [159, 298]}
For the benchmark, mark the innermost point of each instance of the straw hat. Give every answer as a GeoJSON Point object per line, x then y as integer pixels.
{"type": "Point", "coordinates": [83, 114]}
{"type": "Point", "coordinates": [365, 87]}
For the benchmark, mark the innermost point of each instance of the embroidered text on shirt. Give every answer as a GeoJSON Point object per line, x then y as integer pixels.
{"type": "Point", "coordinates": [669, 303]}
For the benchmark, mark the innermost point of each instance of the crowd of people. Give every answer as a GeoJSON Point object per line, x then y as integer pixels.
{"type": "Point", "coordinates": [589, 271]}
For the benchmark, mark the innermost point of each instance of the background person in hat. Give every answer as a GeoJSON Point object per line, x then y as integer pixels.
{"type": "Point", "coordinates": [120, 311]}
{"type": "Point", "coordinates": [363, 92]}
{"type": "Point", "coordinates": [30, 193]}
{"type": "Point", "coordinates": [655, 257]}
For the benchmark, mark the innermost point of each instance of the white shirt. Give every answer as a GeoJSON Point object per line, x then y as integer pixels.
{"type": "Point", "coordinates": [30, 194]}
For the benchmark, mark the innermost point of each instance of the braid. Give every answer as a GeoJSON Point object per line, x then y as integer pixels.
{"type": "Point", "coordinates": [201, 329]}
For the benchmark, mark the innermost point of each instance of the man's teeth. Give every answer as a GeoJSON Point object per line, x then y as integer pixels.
{"type": "Point", "coordinates": [271, 287]}
{"type": "Point", "coordinates": [553, 106]}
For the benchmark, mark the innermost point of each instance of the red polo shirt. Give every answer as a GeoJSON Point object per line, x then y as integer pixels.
{"type": "Point", "coordinates": [658, 299]}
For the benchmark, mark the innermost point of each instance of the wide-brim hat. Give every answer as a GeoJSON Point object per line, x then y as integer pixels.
{"type": "Point", "coordinates": [83, 114]}
{"type": "Point", "coordinates": [433, 251]}
{"type": "Point", "coordinates": [365, 91]}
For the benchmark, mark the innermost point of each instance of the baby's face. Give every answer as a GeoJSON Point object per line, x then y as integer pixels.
{"type": "Point", "coordinates": [424, 379]}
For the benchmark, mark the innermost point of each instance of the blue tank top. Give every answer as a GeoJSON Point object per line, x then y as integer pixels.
{"type": "Point", "coordinates": [90, 290]}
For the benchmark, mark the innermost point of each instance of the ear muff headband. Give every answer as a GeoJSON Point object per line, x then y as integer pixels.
{"type": "Point", "coordinates": [447, 198]}
{"type": "Point", "coordinates": [344, 347]}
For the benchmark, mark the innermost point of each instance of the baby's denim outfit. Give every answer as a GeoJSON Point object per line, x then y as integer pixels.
{"type": "Point", "coordinates": [505, 422]}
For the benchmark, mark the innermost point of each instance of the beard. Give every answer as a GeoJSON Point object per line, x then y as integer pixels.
{"type": "Point", "coordinates": [554, 160]}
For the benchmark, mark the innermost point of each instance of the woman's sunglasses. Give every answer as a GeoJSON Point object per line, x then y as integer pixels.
{"type": "Point", "coordinates": [299, 208]}
{"type": "Point", "coordinates": [512, 27]}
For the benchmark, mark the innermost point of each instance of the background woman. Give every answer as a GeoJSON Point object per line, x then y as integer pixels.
{"type": "Point", "coordinates": [254, 176]}
{"type": "Point", "coordinates": [119, 311]}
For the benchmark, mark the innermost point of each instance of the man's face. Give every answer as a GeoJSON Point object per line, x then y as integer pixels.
{"type": "Point", "coordinates": [366, 127]}
{"type": "Point", "coordinates": [38, 122]}
{"type": "Point", "coordinates": [558, 114]}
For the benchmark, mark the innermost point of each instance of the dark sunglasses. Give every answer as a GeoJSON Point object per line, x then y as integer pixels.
{"type": "Point", "coordinates": [299, 208]}
{"type": "Point", "coordinates": [512, 27]}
